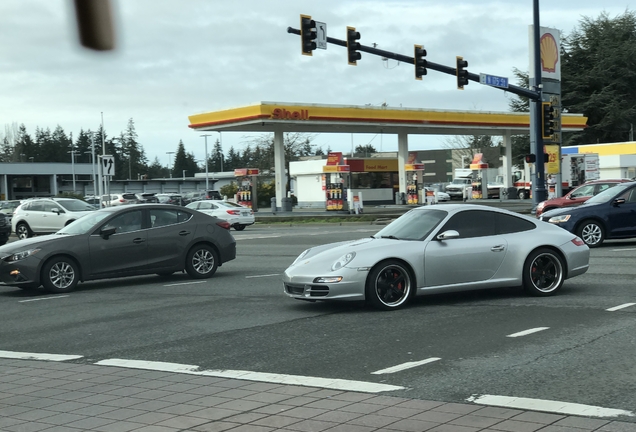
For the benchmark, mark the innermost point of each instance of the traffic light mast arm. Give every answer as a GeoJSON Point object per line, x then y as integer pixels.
{"type": "Point", "coordinates": [520, 91]}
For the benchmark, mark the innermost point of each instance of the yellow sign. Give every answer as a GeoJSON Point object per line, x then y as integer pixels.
{"type": "Point", "coordinates": [336, 168]}
{"type": "Point", "coordinates": [552, 162]}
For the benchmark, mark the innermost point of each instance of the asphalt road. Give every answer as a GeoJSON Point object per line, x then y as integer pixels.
{"type": "Point", "coordinates": [240, 320]}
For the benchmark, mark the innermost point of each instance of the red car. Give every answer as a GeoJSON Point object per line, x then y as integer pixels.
{"type": "Point", "coordinates": [579, 195]}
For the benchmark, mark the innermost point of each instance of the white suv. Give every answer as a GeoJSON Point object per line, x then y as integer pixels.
{"type": "Point", "coordinates": [47, 215]}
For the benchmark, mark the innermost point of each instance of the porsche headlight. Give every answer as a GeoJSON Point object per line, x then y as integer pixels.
{"type": "Point", "coordinates": [343, 261]}
{"type": "Point", "coordinates": [301, 256]}
{"type": "Point", "coordinates": [559, 219]}
{"type": "Point", "coordinates": [21, 255]}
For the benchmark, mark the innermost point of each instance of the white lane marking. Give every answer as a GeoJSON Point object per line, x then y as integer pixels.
{"type": "Point", "coordinates": [407, 365]}
{"type": "Point", "coordinates": [185, 283]}
{"type": "Point", "coordinates": [42, 298]}
{"type": "Point", "coordinates": [621, 250]}
{"type": "Point", "coordinates": [267, 275]}
{"type": "Point", "coordinates": [548, 406]}
{"type": "Point", "coordinates": [527, 332]}
{"type": "Point", "coordinates": [336, 384]}
{"type": "Point", "coordinates": [623, 306]}
{"type": "Point", "coordinates": [37, 356]}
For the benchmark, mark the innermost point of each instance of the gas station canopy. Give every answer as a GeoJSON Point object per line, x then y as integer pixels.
{"type": "Point", "coordinates": [281, 117]}
{"type": "Point", "coordinates": [289, 117]}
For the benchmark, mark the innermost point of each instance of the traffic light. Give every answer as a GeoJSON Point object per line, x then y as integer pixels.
{"type": "Point", "coordinates": [462, 75]}
{"type": "Point", "coordinates": [419, 61]}
{"type": "Point", "coordinates": [531, 158]}
{"type": "Point", "coordinates": [353, 46]}
{"type": "Point", "coordinates": [547, 120]}
{"type": "Point", "coordinates": [307, 35]}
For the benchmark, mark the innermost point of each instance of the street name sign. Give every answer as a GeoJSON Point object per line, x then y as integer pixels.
{"type": "Point", "coordinates": [494, 81]}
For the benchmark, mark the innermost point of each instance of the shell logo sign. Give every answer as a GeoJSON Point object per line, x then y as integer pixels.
{"type": "Point", "coordinates": [549, 53]}
{"type": "Point", "coordinates": [283, 114]}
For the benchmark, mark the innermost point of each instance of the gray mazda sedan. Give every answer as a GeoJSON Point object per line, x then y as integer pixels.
{"type": "Point", "coordinates": [117, 242]}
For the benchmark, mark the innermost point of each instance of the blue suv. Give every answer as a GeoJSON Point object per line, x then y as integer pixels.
{"type": "Point", "coordinates": [609, 215]}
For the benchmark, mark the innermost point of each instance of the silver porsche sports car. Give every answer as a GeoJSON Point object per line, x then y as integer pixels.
{"type": "Point", "coordinates": [434, 249]}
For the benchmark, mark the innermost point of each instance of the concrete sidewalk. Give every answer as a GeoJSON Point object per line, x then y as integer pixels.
{"type": "Point", "coordinates": [63, 396]}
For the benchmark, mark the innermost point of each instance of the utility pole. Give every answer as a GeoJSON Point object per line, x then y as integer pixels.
{"type": "Point", "coordinates": [207, 185]}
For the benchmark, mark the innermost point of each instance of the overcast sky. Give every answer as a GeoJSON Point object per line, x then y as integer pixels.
{"type": "Point", "coordinates": [178, 58]}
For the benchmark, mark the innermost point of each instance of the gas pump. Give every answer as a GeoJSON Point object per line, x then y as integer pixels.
{"type": "Point", "coordinates": [414, 174]}
{"type": "Point", "coordinates": [335, 176]}
{"type": "Point", "coordinates": [247, 180]}
{"type": "Point", "coordinates": [480, 180]}
{"type": "Point", "coordinates": [412, 193]}
{"type": "Point", "coordinates": [336, 194]}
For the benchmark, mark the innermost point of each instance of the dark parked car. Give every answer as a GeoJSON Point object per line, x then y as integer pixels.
{"type": "Point", "coordinates": [146, 197]}
{"type": "Point", "coordinates": [202, 195]}
{"type": "Point", "coordinates": [578, 195]}
{"type": "Point", "coordinates": [174, 199]}
{"type": "Point", "coordinates": [609, 215]}
{"type": "Point", "coordinates": [120, 241]}
{"type": "Point", "coordinates": [5, 228]}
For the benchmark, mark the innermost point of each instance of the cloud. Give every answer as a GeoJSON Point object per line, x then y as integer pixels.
{"type": "Point", "coordinates": [175, 59]}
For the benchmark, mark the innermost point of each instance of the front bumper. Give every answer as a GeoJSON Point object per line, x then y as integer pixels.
{"type": "Point", "coordinates": [298, 284]}
{"type": "Point", "coordinates": [17, 274]}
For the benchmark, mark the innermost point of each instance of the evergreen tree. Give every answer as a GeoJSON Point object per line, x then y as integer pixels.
{"type": "Point", "coordinates": [24, 146]}
{"type": "Point", "coordinates": [599, 77]}
{"type": "Point", "coordinates": [216, 159]}
{"type": "Point", "coordinates": [364, 150]}
{"type": "Point", "coordinates": [184, 162]}
{"type": "Point", "coordinates": [520, 143]}
{"type": "Point", "coordinates": [233, 160]}
{"type": "Point", "coordinates": [156, 170]}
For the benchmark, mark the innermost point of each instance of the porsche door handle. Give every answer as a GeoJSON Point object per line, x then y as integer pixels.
{"type": "Point", "coordinates": [497, 248]}
{"type": "Point", "coordinates": [139, 240]}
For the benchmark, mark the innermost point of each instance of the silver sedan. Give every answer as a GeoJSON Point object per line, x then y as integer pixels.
{"type": "Point", "coordinates": [456, 247]}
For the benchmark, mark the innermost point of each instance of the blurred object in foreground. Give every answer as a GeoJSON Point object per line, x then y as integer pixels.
{"type": "Point", "coordinates": [95, 24]}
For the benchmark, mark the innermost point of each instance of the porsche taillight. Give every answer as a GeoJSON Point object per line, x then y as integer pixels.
{"type": "Point", "coordinates": [578, 242]}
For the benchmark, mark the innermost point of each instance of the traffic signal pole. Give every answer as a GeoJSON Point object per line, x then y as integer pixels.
{"type": "Point", "coordinates": [536, 145]}
{"type": "Point", "coordinates": [521, 91]}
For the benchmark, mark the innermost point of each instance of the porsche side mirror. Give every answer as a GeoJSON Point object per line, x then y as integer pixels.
{"type": "Point", "coordinates": [450, 234]}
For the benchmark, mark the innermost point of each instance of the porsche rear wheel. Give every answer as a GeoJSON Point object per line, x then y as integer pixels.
{"type": "Point", "coordinates": [543, 272]}
{"type": "Point", "coordinates": [389, 285]}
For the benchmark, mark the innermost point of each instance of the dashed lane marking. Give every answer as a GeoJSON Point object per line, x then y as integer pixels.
{"type": "Point", "coordinates": [527, 332]}
{"type": "Point", "coordinates": [623, 306]}
{"type": "Point", "coordinates": [42, 298]}
{"type": "Point", "coordinates": [258, 276]}
{"type": "Point", "coordinates": [185, 283]}
{"type": "Point", "coordinates": [407, 365]}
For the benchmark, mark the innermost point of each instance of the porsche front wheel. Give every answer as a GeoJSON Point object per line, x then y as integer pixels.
{"type": "Point", "coordinates": [389, 285]}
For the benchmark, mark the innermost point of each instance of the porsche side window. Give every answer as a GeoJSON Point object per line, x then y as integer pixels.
{"type": "Point", "coordinates": [472, 223]}
{"type": "Point", "coordinates": [507, 224]}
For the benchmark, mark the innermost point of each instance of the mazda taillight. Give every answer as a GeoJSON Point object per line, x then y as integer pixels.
{"type": "Point", "coordinates": [234, 212]}
{"type": "Point", "coordinates": [224, 224]}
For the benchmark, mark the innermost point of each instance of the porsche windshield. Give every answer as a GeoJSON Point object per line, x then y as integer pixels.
{"type": "Point", "coordinates": [413, 225]}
